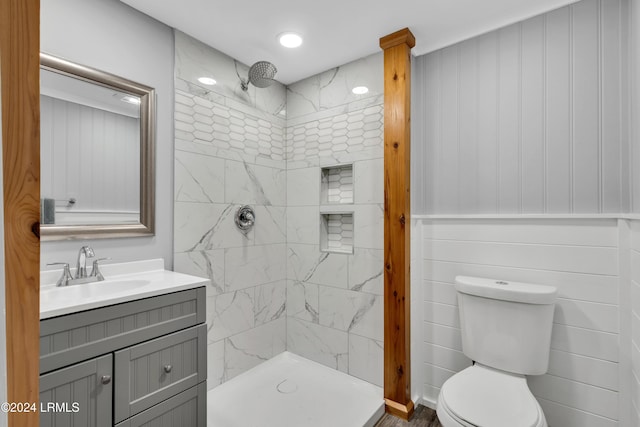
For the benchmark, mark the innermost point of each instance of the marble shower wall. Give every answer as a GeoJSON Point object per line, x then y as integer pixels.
{"type": "Point", "coordinates": [230, 151]}
{"type": "Point", "coordinates": [334, 300]}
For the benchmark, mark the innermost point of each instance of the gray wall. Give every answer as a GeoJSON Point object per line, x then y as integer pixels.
{"type": "Point", "coordinates": [530, 118]}
{"type": "Point", "coordinates": [110, 36]}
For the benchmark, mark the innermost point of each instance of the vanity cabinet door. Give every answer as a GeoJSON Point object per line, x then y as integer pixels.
{"type": "Point", "coordinates": [149, 373]}
{"type": "Point", "coordinates": [78, 396]}
{"type": "Point", "coordinates": [187, 409]}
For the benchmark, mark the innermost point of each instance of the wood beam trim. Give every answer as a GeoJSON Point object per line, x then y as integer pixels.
{"type": "Point", "coordinates": [20, 97]}
{"type": "Point", "coordinates": [398, 410]}
{"type": "Point", "coordinates": [397, 211]}
{"type": "Point", "coordinates": [403, 36]}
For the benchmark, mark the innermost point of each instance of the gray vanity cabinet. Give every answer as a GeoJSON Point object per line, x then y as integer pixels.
{"type": "Point", "coordinates": [82, 393]}
{"type": "Point", "coordinates": [140, 363]}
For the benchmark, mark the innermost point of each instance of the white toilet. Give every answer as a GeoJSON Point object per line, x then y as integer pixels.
{"type": "Point", "coordinates": [506, 331]}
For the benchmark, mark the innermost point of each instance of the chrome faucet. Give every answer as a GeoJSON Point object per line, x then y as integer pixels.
{"type": "Point", "coordinates": [81, 266]}
{"type": "Point", "coordinates": [81, 269]}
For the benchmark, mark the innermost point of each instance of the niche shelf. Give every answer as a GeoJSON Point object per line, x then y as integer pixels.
{"type": "Point", "coordinates": [336, 185]}
{"type": "Point", "coordinates": [336, 232]}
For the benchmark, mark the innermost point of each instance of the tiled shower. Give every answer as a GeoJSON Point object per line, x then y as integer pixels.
{"type": "Point", "coordinates": [308, 159]}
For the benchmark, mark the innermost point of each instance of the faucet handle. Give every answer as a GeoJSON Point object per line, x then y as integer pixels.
{"type": "Point", "coordinates": [66, 273]}
{"type": "Point", "coordinates": [95, 271]}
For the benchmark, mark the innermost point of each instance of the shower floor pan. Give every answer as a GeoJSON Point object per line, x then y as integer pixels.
{"type": "Point", "coordinates": [291, 391]}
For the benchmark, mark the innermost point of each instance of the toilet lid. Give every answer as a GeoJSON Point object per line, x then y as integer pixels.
{"type": "Point", "coordinates": [485, 397]}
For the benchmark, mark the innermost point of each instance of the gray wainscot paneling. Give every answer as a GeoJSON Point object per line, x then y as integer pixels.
{"type": "Point", "coordinates": [529, 118]}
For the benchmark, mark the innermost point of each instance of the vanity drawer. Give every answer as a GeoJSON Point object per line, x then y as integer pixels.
{"type": "Point", "coordinates": [187, 409]}
{"type": "Point", "coordinates": [72, 338]}
{"type": "Point", "coordinates": [148, 373]}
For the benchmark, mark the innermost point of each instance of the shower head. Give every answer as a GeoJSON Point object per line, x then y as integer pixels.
{"type": "Point", "coordinates": [261, 74]}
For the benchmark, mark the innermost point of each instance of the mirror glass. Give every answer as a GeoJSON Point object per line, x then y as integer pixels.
{"type": "Point", "coordinates": [96, 153]}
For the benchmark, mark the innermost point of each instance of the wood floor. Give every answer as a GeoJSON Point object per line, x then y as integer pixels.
{"type": "Point", "coordinates": [422, 417]}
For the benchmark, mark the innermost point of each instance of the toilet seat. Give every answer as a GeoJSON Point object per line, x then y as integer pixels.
{"type": "Point", "coordinates": [480, 396]}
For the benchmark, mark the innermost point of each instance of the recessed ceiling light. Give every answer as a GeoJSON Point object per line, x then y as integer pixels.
{"type": "Point", "coordinates": [131, 99]}
{"type": "Point", "coordinates": [207, 81]}
{"type": "Point", "coordinates": [290, 40]}
{"type": "Point", "coordinates": [283, 112]}
{"type": "Point", "coordinates": [360, 90]}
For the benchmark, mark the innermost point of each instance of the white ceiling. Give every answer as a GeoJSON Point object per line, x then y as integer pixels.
{"type": "Point", "coordinates": [335, 31]}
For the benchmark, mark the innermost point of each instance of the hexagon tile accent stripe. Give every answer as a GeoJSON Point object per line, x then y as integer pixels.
{"type": "Point", "coordinates": [199, 120]}
{"type": "Point", "coordinates": [348, 132]}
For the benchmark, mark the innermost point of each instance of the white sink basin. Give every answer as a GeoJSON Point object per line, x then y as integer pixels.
{"type": "Point", "coordinates": [125, 282]}
{"type": "Point", "coordinates": [91, 290]}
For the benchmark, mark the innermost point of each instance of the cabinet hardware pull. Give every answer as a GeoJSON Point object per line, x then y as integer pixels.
{"type": "Point", "coordinates": [106, 379]}
{"type": "Point", "coordinates": [168, 368]}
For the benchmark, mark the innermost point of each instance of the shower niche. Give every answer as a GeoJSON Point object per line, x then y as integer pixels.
{"type": "Point", "coordinates": [336, 185]}
{"type": "Point", "coordinates": [336, 222]}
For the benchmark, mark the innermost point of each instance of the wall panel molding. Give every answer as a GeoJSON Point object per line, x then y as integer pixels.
{"type": "Point", "coordinates": [527, 119]}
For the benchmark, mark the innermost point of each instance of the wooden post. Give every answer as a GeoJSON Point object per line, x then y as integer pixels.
{"type": "Point", "coordinates": [397, 215]}
{"type": "Point", "coordinates": [20, 89]}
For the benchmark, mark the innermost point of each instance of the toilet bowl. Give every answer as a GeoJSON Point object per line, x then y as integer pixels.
{"type": "Point", "coordinates": [506, 330]}
{"type": "Point", "coordinates": [480, 396]}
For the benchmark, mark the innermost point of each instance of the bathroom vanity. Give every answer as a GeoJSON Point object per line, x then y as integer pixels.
{"type": "Point", "coordinates": [129, 351]}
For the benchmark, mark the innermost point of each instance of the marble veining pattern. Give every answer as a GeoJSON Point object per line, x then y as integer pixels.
{"type": "Point", "coordinates": [332, 88]}
{"type": "Point", "coordinates": [198, 178]}
{"type": "Point", "coordinates": [350, 311]}
{"type": "Point", "coordinates": [209, 264]}
{"type": "Point", "coordinates": [366, 271]}
{"type": "Point", "coordinates": [215, 364]}
{"type": "Point", "coordinates": [366, 359]}
{"type": "Point", "coordinates": [248, 349]}
{"type": "Point", "coordinates": [307, 264]}
{"type": "Point", "coordinates": [206, 226]}
{"type": "Point", "coordinates": [272, 288]}
{"type": "Point", "coordinates": [319, 343]}
{"type": "Point", "coordinates": [254, 265]}
{"type": "Point", "coordinates": [194, 59]}
{"type": "Point", "coordinates": [270, 302]}
{"type": "Point", "coordinates": [302, 224]}
{"type": "Point", "coordinates": [272, 229]}
{"type": "Point", "coordinates": [229, 151]}
{"type": "Point", "coordinates": [303, 301]}
{"type": "Point", "coordinates": [251, 184]}
{"type": "Point", "coordinates": [334, 300]}
{"type": "Point", "coordinates": [229, 314]}
{"type": "Point", "coordinates": [303, 187]}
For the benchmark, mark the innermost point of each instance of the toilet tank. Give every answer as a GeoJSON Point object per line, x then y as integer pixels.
{"type": "Point", "coordinates": [506, 325]}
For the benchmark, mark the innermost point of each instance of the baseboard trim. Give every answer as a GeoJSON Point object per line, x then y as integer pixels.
{"type": "Point", "coordinates": [429, 403]}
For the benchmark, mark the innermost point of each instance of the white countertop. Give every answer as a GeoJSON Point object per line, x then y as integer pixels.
{"type": "Point", "coordinates": [123, 282]}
